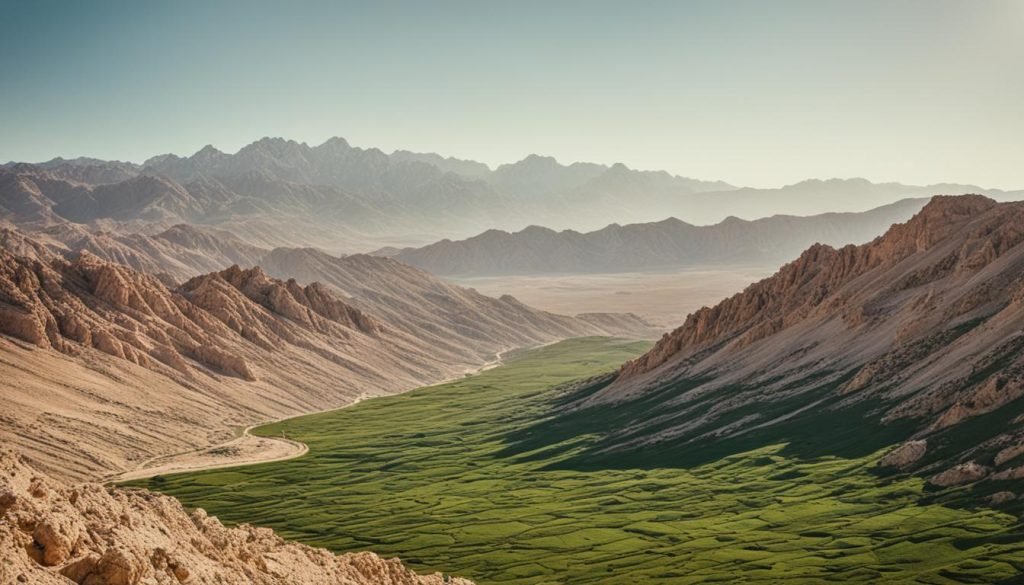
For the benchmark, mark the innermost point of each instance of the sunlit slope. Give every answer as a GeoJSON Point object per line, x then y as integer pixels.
{"type": "Point", "coordinates": [443, 477]}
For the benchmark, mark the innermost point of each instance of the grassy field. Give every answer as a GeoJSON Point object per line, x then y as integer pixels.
{"type": "Point", "coordinates": [440, 477]}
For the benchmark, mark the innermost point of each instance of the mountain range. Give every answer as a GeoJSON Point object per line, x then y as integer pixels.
{"type": "Point", "coordinates": [277, 192]}
{"type": "Point", "coordinates": [669, 243]}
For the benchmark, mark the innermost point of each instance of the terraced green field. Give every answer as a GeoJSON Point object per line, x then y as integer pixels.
{"type": "Point", "coordinates": [430, 476]}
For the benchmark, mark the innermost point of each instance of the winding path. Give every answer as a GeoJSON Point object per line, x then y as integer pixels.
{"type": "Point", "coordinates": [244, 450]}
{"type": "Point", "coordinates": [249, 449]}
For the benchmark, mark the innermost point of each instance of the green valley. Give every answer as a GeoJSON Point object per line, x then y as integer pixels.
{"type": "Point", "coordinates": [443, 478]}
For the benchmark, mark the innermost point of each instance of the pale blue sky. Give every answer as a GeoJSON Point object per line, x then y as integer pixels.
{"type": "Point", "coordinates": [755, 93]}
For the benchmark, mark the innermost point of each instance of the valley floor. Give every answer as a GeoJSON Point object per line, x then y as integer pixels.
{"type": "Point", "coordinates": [664, 297]}
{"type": "Point", "coordinates": [246, 449]}
{"type": "Point", "coordinates": [436, 477]}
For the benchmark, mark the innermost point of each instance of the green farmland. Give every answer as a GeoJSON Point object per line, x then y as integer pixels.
{"type": "Point", "coordinates": [430, 476]}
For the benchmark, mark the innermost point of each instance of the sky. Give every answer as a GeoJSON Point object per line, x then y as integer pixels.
{"type": "Point", "coordinates": [754, 93]}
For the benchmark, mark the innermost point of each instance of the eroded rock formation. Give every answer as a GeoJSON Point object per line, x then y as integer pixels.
{"type": "Point", "coordinates": [52, 533]}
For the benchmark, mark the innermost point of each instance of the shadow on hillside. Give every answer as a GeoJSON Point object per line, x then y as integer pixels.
{"type": "Point", "coordinates": [591, 438]}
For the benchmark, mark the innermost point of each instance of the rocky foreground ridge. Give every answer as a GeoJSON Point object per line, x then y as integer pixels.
{"type": "Point", "coordinates": [917, 336]}
{"type": "Point", "coordinates": [57, 534]}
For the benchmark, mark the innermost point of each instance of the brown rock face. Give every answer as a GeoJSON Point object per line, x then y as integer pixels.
{"type": "Point", "coordinates": [311, 305]}
{"type": "Point", "coordinates": [93, 303]}
{"type": "Point", "coordinates": [56, 534]}
{"type": "Point", "coordinates": [961, 474]}
{"type": "Point", "coordinates": [798, 290]}
{"type": "Point", "coordinates": [905, 455]}
{"type": "Point", "coordinates": [1000, 498]}
{"type": "Point", "coordinates": [132, 316]}
{"type": "Point", "coordinates": [920, 328]}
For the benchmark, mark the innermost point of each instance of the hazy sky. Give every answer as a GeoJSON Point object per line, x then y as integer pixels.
{"type": "Point", "coordinates": [755, 93]}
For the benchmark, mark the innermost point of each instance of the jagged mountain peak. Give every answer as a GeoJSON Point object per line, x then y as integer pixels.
{"type": "Point", "coordinates": [534, 231]}
{"type": "Point", "coordinates": [207, 154]}
{"type": "Point", "coordinates": [619, 168]}
{"type": "Point", "coordinates": [539, 160]}
{"type": "Point", "coordinates": [302, 304]}
{"type": "Point", "coordinates": [273, 147]}
{"type": "Point", "coordinates": [335, 142]}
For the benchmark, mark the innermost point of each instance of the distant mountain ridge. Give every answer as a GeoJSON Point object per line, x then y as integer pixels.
{"type": "Point", "coordinates": [670, 243]}
{"type": "Point", "coordinates": [277, 192]}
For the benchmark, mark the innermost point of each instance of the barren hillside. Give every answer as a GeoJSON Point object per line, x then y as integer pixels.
{"type": "Point", "coordinates": [107, 366]}
{"type": "Point", "coordinates": [915, 337]}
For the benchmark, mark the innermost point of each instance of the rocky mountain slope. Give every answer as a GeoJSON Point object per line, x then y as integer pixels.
{"type": "Point", "coordinates": [52, 533]}
{"type": "Point", "coordinates": [914, 337]}
{"type": "Point", "coordinates": [267, 210]}
{"type": "Point", "coordinates": [91, 171]}
{"type": "Point", "coordinates": [405, 295]}
{"type": "Point", "coordinates": [664, 244]}
{"type": "Point", "coordinates": [177, 253]}
{"type": "Point", "coordinates": [106, 366]}
{"type": "Point", "coordinates": [430, 308]}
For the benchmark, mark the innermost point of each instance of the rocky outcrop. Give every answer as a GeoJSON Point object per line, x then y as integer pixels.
{"type": "Point", "coordinates": [1009, 453]}
{"type": "Point", "coordinates": [905, 455]}
{"type": "Point", "coordinates": [310, 305]}
{"type": "Point", "coordinates": [51, 533]}
{"type": "Point", "coordinates": [224, 361]}
{"type": "Point", "coordinates": [91, 303]}
{"type": "Point", "coordinates": [1012, 473]}
{"type": "Point", "coordinates": [301, 348]}
{"type": "Point", "coordinates": [1000, 498]}
{"type": "Point", "coordinates": [94, 303]}
{"type": "Point", "coordinates": [968, 472]}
